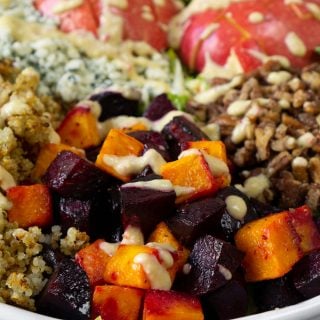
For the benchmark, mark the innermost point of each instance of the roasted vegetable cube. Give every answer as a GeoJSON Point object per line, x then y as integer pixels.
{"type": "Point", "coordinates": [196, 219]}
{"type": "Point", "coordinates": [266, 242]}
{"type": "Point", "coordinates": [178, 132]}
{"type": "Point", "coordinates": [115, 104]}
{"type": "Point", "coordinates": [145, 206]}
{"type": "Point", "coordinates": [212, 264]}
{"type": "Point", "coordinates": [118, 144]}
{"type": "Point", "coordinates": [162, 234]}
{"type": "Point", "coordinates": [116, 303]}
{"type": "Point", "coordinates": [79, 128]}
{"type": "Point", "coordinates": [67, 293]}
{"type": "Point", "coordinates": [170, 305]}
{"type": "Point", "coordinates": [93, 260]}
{"type": "Point", "coordinates": [306, 275]}
{"type": "Point", "coordinates": [213, 148]}
{"type": "Point", "coordinates": [193, 172]}
{"type": "Point", "coordinates": [159, 106]}
{"type": "Point", "coordinates": [71, 176]}
{"type": "Point", "coordinates": [31, 206]}
{"type": "Point", "coordinates": [47, 154]}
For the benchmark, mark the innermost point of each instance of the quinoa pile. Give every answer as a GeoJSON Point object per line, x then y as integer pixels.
{"type": "Point", "coordinates": [26, 123]}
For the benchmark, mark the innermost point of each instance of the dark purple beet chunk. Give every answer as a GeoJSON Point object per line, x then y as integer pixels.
{"type": "Point", "coordinates": [213, 262]}
{"type": "Point", "coordinates": [306, 275]}
{"type": "Point", "coordinates": [228, 302]}
{"type": "Point", "coordinates": [67, 293]}
{"type": "Point", "coordinates": [159, 107]}
{"type": "Point", "coordinates": [152, 140]}
{"type": "Point", "coordinates": [115, 104]}
{"type": "Point", "coordinates": [145, 207]}
{"type": "Point", "coordinates": [277, 293]}
{"type": "Point", "coordinates": [263, 209]}
{"type": "Point", "coordinates": [51, 256]}
{"type": "Point", "coordinates": [75, 213]}
{"type": "Point", "coordinates": [178, 132]}
{"type": "Point", "coordinates": [196, 219]}
{"type": "Point", "coordinates": [228, 225]}
{"type": "Point", "coordinates": [72, 176]}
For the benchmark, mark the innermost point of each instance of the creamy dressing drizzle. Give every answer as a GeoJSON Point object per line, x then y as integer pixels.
{"type": "Point", "coordinates": [109, 248]}
{"type": "Point", "coordinates": [130, 165]}
{"type": "Point", "coordinates": [6, 179]}
{"type": "Point", "coordinates": [66, 5]}
{"type": "Point", "coordinates": [132, 235]}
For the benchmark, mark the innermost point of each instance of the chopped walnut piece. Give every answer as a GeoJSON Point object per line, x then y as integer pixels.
{"type": "Point", "coordinates": [263, 136]}
{"type": "Point", "coordinates": [314, 169]}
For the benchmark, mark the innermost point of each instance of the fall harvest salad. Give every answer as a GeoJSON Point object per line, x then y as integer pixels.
{"type": "Point", "coordinates": [159, 159]}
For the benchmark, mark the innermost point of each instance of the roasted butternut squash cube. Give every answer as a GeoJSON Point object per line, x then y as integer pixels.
{"type": "Point", "coordinates": [118, 144]}
{"type": "Point", "coordinates": [139, 126]}
{"type": "Point", "coordinates": [48, 153]}
{"type": "Point", "coordinates": [271, 246]}
{"type": "Point", "coordinates": [304, 225]}
{"type": "Point", "coordinates": [79, 128]}
{"type": "Point", "coordinates": [31, 206]}
{"type": "Point", "coordinates": [191, 171]}
{"type": "Point", "coordinates": [116, 303]}
{"type": "Point", "coordinates": [93, 260]}
{"type": "Point", "coordinates": [162, 234]}
{"type": "Point", "coordinates": [213, 148]}
{"type": "Point", "coordinates": [121, 269]}
{"type": "Point", "coordinates": [170, 305]}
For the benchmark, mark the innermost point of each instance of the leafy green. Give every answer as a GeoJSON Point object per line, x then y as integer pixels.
{"type": "Point", "coordinates": [179, 101]}
{"type": "Point", "coordinates": [317, 49]}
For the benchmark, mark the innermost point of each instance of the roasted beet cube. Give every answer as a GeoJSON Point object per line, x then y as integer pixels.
{"type": "Point", "coordinates": [51, 256]}
{"type": "Point", "coordinates": [238, 211]}
{"type": "Point", "coordinates": [152, 140]}
{"type": "Point", "coordinates": [263, 209]}
{"type": "Point", "coordinates": [72, 176]}
{"type": "Point", "coordinates": [75, 213]}
{"type": "Point", "coordinates": [228, 302]}
{"type": "Point", "coordinates": [115, 104]}
{"type": "Point", "coordinates": [196, 219]}
{"type": "Point", "coordinates": [277, 293]}
{"type": "Point", "coordinates": [145, 204]}
{"type": "Point", "coordinates": [159, 107]}
{"type": "Point", "coordinates": [306, 275]}
{"type": "Point", "coordinates": [213, 263]}
{"type": "Point", "coordinates": [67, 293]}
{"type": "Point", "coordinates": [178, 132]}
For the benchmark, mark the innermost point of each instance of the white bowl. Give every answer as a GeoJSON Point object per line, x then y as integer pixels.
{"type": "Point", "coordinates": [307, 310]}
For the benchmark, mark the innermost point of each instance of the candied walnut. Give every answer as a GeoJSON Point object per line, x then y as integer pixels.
{"type": "Point", "coordinates": [314, 169]}
{"type": "Point", "coordinates": [263, 135]}
{"type": "Point", "coordinates": [245, 156]}
{"type": "Point", "coordinates": [313, 197]}
{"type": "Point", "coordinates": [279, 162]}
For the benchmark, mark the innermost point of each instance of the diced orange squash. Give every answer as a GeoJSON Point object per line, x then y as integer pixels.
{"type": "Point", "coordinates": [213, 148]}
{"type": "Point", "coordinates": [162, 234]}
{"type": "Point", "coordinates": [31, 206]}
{"type": "Point", "coordinates": [170, 305]}
{"type": "Point", "coordinates": [93, 260]}
{"type": "Point", "coordinates": [122, 271]}
{"type": "Point", "coordinates": [304, 225]}
{"type": "Point", "coordinates": [139, 126]}
{"type": "Point", "coordinates": [79, 128]}
{"type": "Point", "coordinates": [47, 154]}
{"type": "Point", "coordinates": [271, 246]}
{"type": "Point", "coordinates": [191, 171]}
{"type": "Point", "coordinates": [117, 143]}
{"type": "Point", "coordinates": [116, 303]}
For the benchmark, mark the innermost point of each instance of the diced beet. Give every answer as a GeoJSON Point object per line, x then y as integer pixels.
{"type": "Point", "coordinates": [277, 293]}
{"type": "Point", "coordinates": [228, 224]}
{"type": "Point", "coordinates": [147, 171]}
{"type": "Point", "coordinates": [51, 256]}
{"type": "Point", "coordinates": [115, 104]}
{"type": "Point", "coordinates": [75, 213]}
{"type": "Point", "coordinates": [145, 207]}
{"type": "Point", "coordinates": [92, 153]}
{"type": "Point", "coordinates": [72, 176]}
{"type": "Point", "coordinates": [67, 293]}
{"type": "Point", "coordinates": [213, 263]}
{"type": "Point", "coordinates": [196, 219]}
{"type": "Point", "coordinates": [159, 107]}
{"type": "Point", "coordinates": [263, 209]}
{"type": "Point", "coordinates": [306, 275]}
{"type": "Point", "coordinates": [178, 132]}
{"type": "Point", "coordinates": [152, 140]}
{"type": "Point", "coordinates": [228, 302]}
